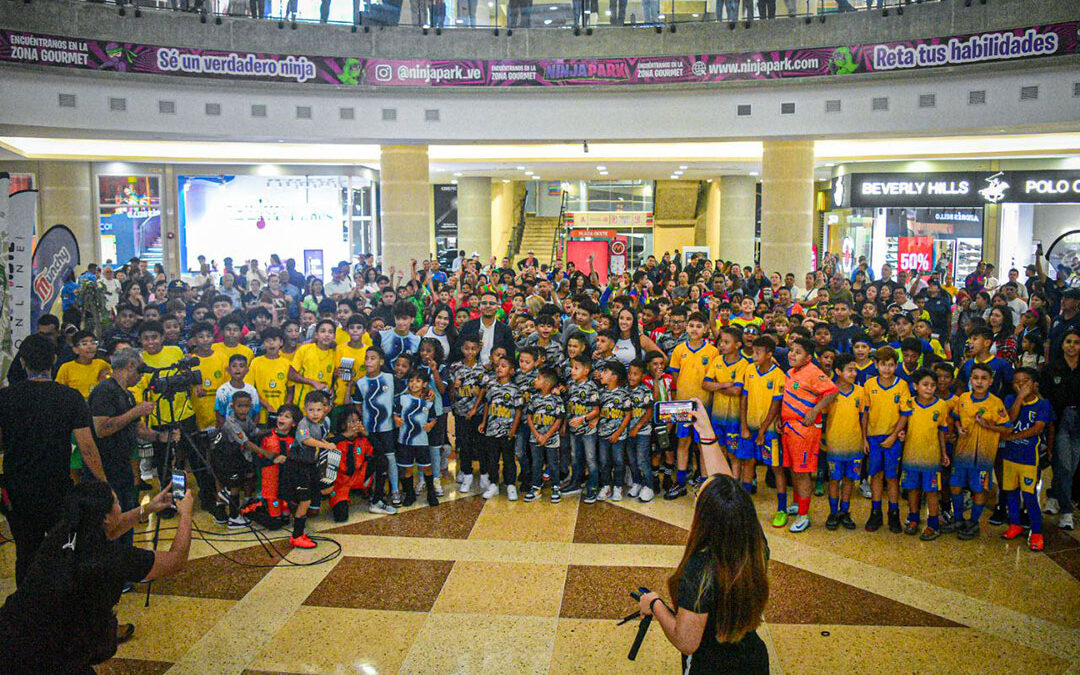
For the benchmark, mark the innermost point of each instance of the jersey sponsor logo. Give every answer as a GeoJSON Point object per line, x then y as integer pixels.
{"type": "Point", "coordinates": [936, 416]}
{"type": "Point", "coordinates": [273, 385]}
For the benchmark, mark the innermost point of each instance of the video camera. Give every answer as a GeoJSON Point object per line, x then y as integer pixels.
{"type": "Point", "coordinates": [169, 385]}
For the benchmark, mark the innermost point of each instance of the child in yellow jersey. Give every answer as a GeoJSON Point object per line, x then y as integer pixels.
{"type": "Point", "coordinates": [269, 374]}
{"type": "Point", "coordinates": [946, 379]}
{"type": "Point", "coordinates": [844, 440]}
{"type": "Point", "coordinates": [924, 453]}
{"type": "Point", "coordinates": [981, 418]}
{"type": "Point", "coordinates": [763, 388]}
{"type": "Point", "coordinates": [292, 332]}
{"type": "Point", "coordinates": [725, 381]}
{"type": "Point", "coordinates": [689, 364]}
{"type": "Point", "coordinates": [232, 329]}
{"type": "Point", "coordinates": [890, 406]}
{"type": "Point", "coordinates": [213, 368]}
{"type": "Point", "coordinates": [746, 316]}
{"type": "Point", "coordinates": [313, 365]}
{"type": "Point", "coordinates": [84, 373]}
{"type": "Point", "coordinates": [354, 348]}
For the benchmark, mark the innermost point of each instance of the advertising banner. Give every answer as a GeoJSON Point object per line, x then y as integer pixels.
{"type": "Point", "coordinates": [956, 188]}
{"type": "Point", "coordinates": [915, 254]}
{"type": "Point", "coordinates": [446, 222]}
{"type": "Point", "coordinates": [18, 216]}
{"type": "Point", "coordinates": [1030, 42]}
{"type": "Point", "coordinates": [55, 256]}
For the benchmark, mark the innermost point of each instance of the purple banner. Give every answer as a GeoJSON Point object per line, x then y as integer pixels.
{"type": "Point", "coordinates": [996, 46]}
{"type": "Point", "coordinates": [55, 257]}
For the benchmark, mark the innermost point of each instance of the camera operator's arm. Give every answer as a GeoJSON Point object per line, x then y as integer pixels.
{"type": "Point", "coordinates": [684, 629]}
{"type": "Point", "coordinates": [711, 457]}
{"type": "Point", "coordinates": [173, 560]}
{"type": "Point", "coordinates": [127, 520]}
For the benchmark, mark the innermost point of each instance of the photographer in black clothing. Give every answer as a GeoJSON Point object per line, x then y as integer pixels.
{"type": "Point", "coordinates": [38, 418]}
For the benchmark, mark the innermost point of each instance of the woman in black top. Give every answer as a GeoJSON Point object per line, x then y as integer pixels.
{"type": "Point", "coordinates": [720, 587]}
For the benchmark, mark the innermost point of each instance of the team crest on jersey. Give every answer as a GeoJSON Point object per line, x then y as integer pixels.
{"type": "Point", "coordinates": [273, 385]}
{"type": "Point", "coordinates": [704, 361]}
{"type": "Point", "coordinates": [207, 383]}
{"type": "Point", "coordinates": [896, 399]}
{"type": "Point", "coordinates": [733, 374]}
{"type": "Point", "coordinates": [795, 385]}
{"type": "Point", "coordinates": [769, 384]}
{"type": "Point", "coordinates": [1028, 481]}
{"type": "Point", "coordinates": [936, 416]}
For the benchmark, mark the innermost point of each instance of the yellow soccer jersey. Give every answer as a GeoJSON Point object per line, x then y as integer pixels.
{"type": "Point", "coordinates": [843, 424]}
{"type": "Point", "coordinates": [979, 446]}
{"type": "Point", "coordinates": [83, 378]}
{"type": "Point", "coordinates": [314, 364]}
{"type": "Point", "coordinates": [725, 408]}
{"type": "Point", "coordinates": [357, 354]}
{"type": "Point", "coordinates": [341, 337]}
{"type": "Point", "coordinates": [761, 390]}
{"type": "Point", "coordinates": [227, 352]}
{"type": "Point", "coordinates": [270, 377]}
{"type": "Point", "coordinates": [887, 404]}
{"type": "Point", "coordinates": [690, 366]}
{"type": "Point", "coordinates": [742, 322]}
{"type": "Point", "coordinates": [921, 448]}
{"type": "Point", "coordinates": [214, 374]}
{"type": "Point", "coordinates": [164, 413]}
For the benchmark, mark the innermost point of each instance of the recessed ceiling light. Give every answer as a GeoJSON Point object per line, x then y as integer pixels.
{"type": "Point", "coordinates": [454, 182]}
{"type": "Point", "coordinates": [457, 173]}
{"type": "Point", "coordinates": [659, 16]}
{"type": "Point", "coordinates": [547, 22]}
{"type": "Point", "coordinates": [683, 167]}
{"type": "Point", "coordinates": [553, 8]}
{"type": "Point", "coordinates": [601, 168]}
{"type": "Point", "coordinates": [506, 180]}
{"type": "Point", "coordinates": [520, 168]}
{"type": "Point", "coordinates": [753, 173]}
{"type": "Point", "coordinates": [696, 15]}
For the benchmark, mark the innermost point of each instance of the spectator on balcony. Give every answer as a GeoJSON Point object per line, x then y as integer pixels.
{"type": "Point", "coordinates": [466, 12]}
{"type": "Point", "coordinates": [617, 12]}
{"type": "Point", "coordinates": [651, 8]}
{"type": "Point", "coordinates": [582, 11]}
{"type": "Point", "coordinates": [518, 13]}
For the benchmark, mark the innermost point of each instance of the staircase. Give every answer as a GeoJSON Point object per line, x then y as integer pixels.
{"type": "Point", "coordinates": [538, 236]}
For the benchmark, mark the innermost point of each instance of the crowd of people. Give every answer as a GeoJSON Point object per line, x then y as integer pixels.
{"type": "Point", "coordinates": [542, 380]}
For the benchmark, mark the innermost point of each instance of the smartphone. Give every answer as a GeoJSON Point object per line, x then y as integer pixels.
{"type": "Point", "coordinates": [179, 485]}
{"type": "Point", "coordinates": [680, 412]}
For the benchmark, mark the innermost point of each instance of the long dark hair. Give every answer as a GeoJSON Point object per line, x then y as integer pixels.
{"type": "Point", "coordinates": [635, 330]}
{"type": "Point", "coordinates": [726, 528]}
{"type": "Point", "coordinates": [451, 329]}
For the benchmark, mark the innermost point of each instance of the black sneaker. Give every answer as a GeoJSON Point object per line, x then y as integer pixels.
{"type": "Point", "coordinates": [911, 527]}
{"type": "Point", "coordinates": [675, 492]}
{"type": "Point", "coordinates": [952, 526]}
{"type": "Point", "coordinates": [969, 531]}
{"type": "Point", "coordinates": [998, 517]}
{"type": "Point", "coordinates": [846, 522]}
{"type": "Point", "coordinates": [770, 479]}
{"type": "Point", "coordinates": [894, 522]}
{"type": "Point", "coordinates": [873, 523]}
{"type": "Point", "coordinates": [832, 522]}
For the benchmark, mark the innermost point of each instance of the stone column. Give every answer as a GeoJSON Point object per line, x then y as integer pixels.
{"type": "Point", "coordinates": [474, 216]}
{"type": "Point", "coordinates": [738, 201]}
{"type": "Point", "coordinates": [787, 206]}
{"type": "Point", "coordinates": [67, 198]}
{"type": "Point", "coordinates": [405, 225]}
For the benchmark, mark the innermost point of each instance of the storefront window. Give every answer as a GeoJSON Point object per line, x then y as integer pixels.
{"type": "Point", "coordinates": [129, 218]}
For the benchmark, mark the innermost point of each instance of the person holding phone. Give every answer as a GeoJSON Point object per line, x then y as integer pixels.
{"type": "Point", "coordinates": [721, 587]}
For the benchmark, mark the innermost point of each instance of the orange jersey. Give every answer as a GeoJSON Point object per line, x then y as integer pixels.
{"type": "Point", "coordinates": [803, 389]}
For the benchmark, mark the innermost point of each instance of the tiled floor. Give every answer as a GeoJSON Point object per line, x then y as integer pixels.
{"type": "Point", "coordinates": [501, 587]}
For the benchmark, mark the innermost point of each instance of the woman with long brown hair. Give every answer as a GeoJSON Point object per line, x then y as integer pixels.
{"type": "Point", "coordinates": [720, 588]}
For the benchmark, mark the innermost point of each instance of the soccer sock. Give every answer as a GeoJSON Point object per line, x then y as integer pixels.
{"type": "Point", "coordinates": [932, 522]}
{"type": "Point", "coordinates": [680, 476]}
{"type": "Point", "coordinates": [875, 505]}
{"type": "Point", "coordinates": [893, 506]}
{"type": "Point", "coordinates": [749, 487]}
{"type": "Point", "coordinates": [1012, 500]}
{"type": "Point", "coordinates": [912, 517]}
{"type": "Point", "coordinates": [845, 507]}
{"type": "Point", "coordinates": [976, 512]}
{"type": "Point", "coordinates": [834, 504]}
{"type": "Point", "coordinates": [804, 505]}
{"type": "Point", "coordinates": [1031, 501]}
{"type": "Point", "coordinates": [781, 501]}
{"type": "Point", "coordinates": [298, 526]}
{"type": "Point", "coordinates": [958, 507]}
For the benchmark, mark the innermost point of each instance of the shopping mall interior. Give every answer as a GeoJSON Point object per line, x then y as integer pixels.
{"type": "Point", "coordinates": [924, 136]}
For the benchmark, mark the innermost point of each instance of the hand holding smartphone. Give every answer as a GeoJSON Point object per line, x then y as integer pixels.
{"type": "Point", "coordinates": [179, 486]}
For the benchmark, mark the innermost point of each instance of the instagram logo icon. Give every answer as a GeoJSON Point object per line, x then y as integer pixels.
{"type": "Point", "coordinates": [384, 72]}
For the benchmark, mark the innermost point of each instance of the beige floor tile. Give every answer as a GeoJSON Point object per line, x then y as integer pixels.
{"type": "Point", "coordinates": [518, 521]}
{"type": "Point", "coordinates": [481, 645]}
{"type": "Point", "coordinates": [336, 640]}
{"type": "Point", "coordinates": [641, 555]}
{"type": "Point", "coordinates": [169, 626]}
{"type": "Point", "coordinates": [879, 649]}
{"type": "Point", "coordinates": [502, 588]}
{"type": "Point", "coordinates": [588, 646]}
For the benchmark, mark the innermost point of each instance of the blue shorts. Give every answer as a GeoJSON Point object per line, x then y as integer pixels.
{"type": "Point", "coordinates": [975, 478]}
{"type": "Point", "coordinates": [727, 434]}
{"type": "Point", "coordinates": [840, 469]}
{"type": "Point", "coordinates": [684, 430]}
{"type": "Point", "coordinates": [746, 448]}
{"type": "Point", "coordinates": [883, 459]}
{"type": "Point", "coordinates": [927, 480]}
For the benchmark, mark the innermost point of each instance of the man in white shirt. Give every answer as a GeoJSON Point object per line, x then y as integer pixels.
{"type": "Point", "coordinates": [1016, 304]}
{"type": "Point", "coordinates": [459, 259]}
{"type": "Point", "coordinates": [1021, 289]}
{"type": "Point", "coordinates": [340, 285]}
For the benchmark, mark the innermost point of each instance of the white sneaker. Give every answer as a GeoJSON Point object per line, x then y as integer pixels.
{"type": "Point", "coordinates": [801, 524]}
{"type": "Point", "coordinates": [383, 508]}
{"type": "Point", "coordinates": [646, 494]}
{"type": "Point", "coordinates": [461, 477]}
{"type": "Point", "coordinates": [511, 492]}
{"type": "Point", "coordinates": [466, 484]}
{"type": "Point", "coordinates": [793, 509]}
{"type": "Point", "coordinates": [1052, 507]}
{"type": "Point", "coordinates": [616, 494]}
{"type": "Point", "coordinates": [865, 489]}
{"type": "Point", "coordinates": [241, 521]}
{"type": "Point", "coordinates": [634, 490]}
{"type": "Point", "coordinates": [485, 482]}
{"type": "Point", "coordinates": [438, 488]}
{"type": "Point", "coordinates": [1065, 521]}
{"type": "Point", "coordinates": [604, 493]}
{"type": "Point", "coordinates": [491, 491]}
{"type": "Point", "coordinates": [421, 484]}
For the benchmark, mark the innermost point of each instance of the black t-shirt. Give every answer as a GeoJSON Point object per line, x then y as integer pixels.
{"type": "Point", "coordinates": [697, 593]}
{"type": "Point", "coordinates": [40, 631]}
{"type": "Point", "coordinates": [109, 399]}
{"type": "Point", "coordinates": [37, 419]}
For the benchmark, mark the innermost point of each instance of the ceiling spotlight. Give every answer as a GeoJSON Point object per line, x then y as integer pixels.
{"type": "Point", "coordinates": [520, 168]}
{"type": "Point", "coordinates": [753, 173]}
{"type": "Point", "coordinates": [457, 173]}
{"type": "Point", "coordinates": [506, 180]}
{"type": "Point", "coordinates": [601, 168]}
{"type": "Point", "coordinates": [547, 22]}
{"type": "Point", "coordinates": [453, 182]}
{"type": "Point", "coordinates": [682, 167]}
{"type": "Point", "coordinates": [696, 15]}
{"type": "Point", "coordinates": [585, 146]}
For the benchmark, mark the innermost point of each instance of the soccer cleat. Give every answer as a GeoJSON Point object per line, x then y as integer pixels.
{"type": "Point", "coordinates": [999, 516]}
{"type": "Point", "coordinates": [432, 498]}
{"type": "Point", "coordinates": [969, 531]}
{"type": "Point", "coordinates": [911, 528]}
{"type": "Point", "coordinates": [819, 489]}
{"type": "Point", "coordinates": [395, 498]}
{"type": "Point", "coordinates": [634, 490]}
{"type": "Point", "coordinates": [532, 495]}
{"type": "Point", "coordinates": [846, 522]}
{"type": "Point", "coordinates": [793, 509]}
{"type": "Point", "coordinates": [466, 484]}
{"type": "Point", "coordinates": [380, 507]}
{"type": "Point", "coordinates": [491, 491]}
{"type": "Point", "coordinates": [646, 494]}
{"type": "Point", "coordinates": [438, 489]}
{"type": "Point", "coordinates": [556, 494]}
{"type": "Point", "coordinates": [801, 524]}
{"type": "Point", "coordinates": [220, 514]}
{"type": "Point", "coordinates": [1052, 507]}
{"type": "Point", "coordinates": [873, 523]}
{"type": "Point", "coordinates": [1065, 521]}
{"type": "Point", "coordinates": [894, 522]}
{"type": "Point", "coordinates": [675, 491]}
{"type": "Point", "coordinates": [616, 494]}
{"type": "Point", "coordinates": [832, 522]}
{"type": "Point", "coordinates": [410, 498]}
{"type": "Point", "coordinates": [1035, 542]}
{"type": "Point", "coordinates": [1013, 532]}
{"type": "Point", "coordinates": [753, 487]}
{"type": "Point", "coordinates": [929, 534]}
{"type": "Point", "coordinates": [511, 493]}
{"type": "Point", "coordinates": [953, 526]}
{"type": "Point", "coordinates": [303, 541]}
{"type": "Point", "coordinates": [865, 490]}
{"type": "Point", "coordinates": [780, 519]}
